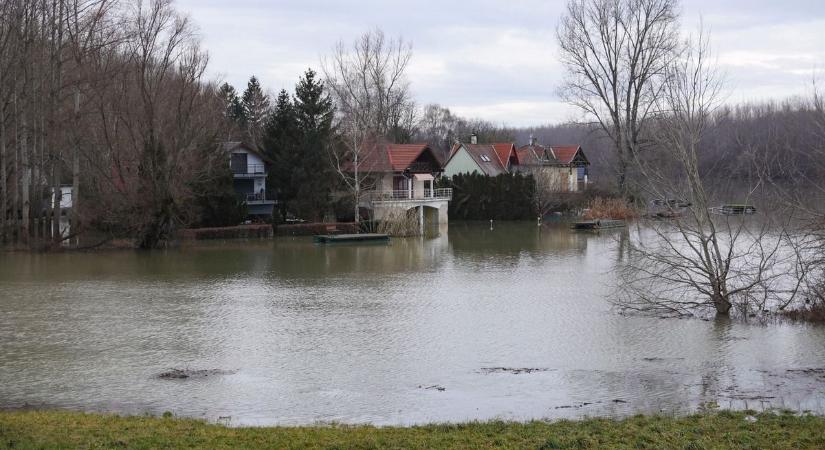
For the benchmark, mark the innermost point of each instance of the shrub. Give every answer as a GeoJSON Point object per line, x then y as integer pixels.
{"type": "Point", "coordinates": [610, 208]}
{"type": "Point", "coordinates": [237, 232]}
{"type": "Point", "coordinates": [479, 197]}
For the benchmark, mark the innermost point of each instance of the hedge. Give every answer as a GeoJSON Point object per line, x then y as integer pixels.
{"type": "Point", "coordinates": [480, 197]}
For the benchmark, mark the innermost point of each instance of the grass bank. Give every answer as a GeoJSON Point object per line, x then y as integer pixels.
{"type": "Point", "coordinates": [57, 429]}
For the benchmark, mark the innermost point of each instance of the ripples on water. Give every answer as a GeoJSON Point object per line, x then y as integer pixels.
{"type": "Point", "coordinates": [370, 333]}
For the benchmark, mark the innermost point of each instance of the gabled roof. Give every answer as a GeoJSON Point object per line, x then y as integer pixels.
{"type": "Point", "coordinates": [536, 154]}
{"type": "Point", "coordinates": [386, 157]}
{"type": "Point", "coordinates": [565, 154]}
{"type": "Point", "coordinates": [504, 151]}
{"type": "Point", "coordinates": [402, 155]}
{"type": "Point", "coordinates": [555, 155]}
{"type": "Point", "coordinates": [232, 146]}
{"type": "Point", "coordinates": [485, 156]}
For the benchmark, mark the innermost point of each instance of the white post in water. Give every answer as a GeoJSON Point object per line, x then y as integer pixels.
{"type": "Point", "coordinates": [421, 219]}
{"type": "Point", "coordinates": [491, 224]}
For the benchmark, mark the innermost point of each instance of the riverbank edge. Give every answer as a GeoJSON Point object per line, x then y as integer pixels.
{"type": "Point", "coordinates": [723, 429]}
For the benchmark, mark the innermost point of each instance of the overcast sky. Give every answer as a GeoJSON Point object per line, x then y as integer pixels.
{"type": "Point", "coordinates": [497, 59]}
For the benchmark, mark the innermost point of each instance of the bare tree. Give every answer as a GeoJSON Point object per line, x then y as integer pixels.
{"type": "Point", "coordinates": [551, 183]}
{"type": "Point", "coordinates": [700, 261]}
{"type": "Point", "coordinates": [615, 53]}
{"type": "Point", "coordinates": [372, 98]}
{"type": "Point", "coordinates": [160, 124]}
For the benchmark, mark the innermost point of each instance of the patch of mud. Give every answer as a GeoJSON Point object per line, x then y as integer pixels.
{"type": "Point", "coordinates": [433, 387]}
{"type": "Point", "coordinates": [818, 372]}
{"type": "Point", "coordinates": [182, 374]}
{"type": "Point", "coordinates": [577, 405]}
{"type": "Point", "coordinates": [745, 396]}
{"type": "Point", "coordinates": [513, 370]}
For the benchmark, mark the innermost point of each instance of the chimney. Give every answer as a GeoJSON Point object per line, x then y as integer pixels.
{"type": "Point", "coordinates": [474, 139]}
{"type": "Point", "coordinates": [532, 140]}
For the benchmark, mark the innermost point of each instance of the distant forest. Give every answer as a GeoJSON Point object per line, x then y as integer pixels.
{"type": "Point", "coordinates": [111, 97]}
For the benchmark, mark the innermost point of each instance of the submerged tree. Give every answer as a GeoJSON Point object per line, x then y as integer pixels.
{"type": "Point", "coordinates": [160, 119]}
{"type": "Point", "coordinates": [615, 53]}
{"type": "Point", "coordinates": [699, 261]}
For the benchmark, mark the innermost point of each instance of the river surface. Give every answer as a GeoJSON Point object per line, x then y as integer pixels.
{"type": "Point", "coordinates": [421, 330]}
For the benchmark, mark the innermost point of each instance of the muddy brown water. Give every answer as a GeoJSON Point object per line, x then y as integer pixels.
{"type": "Point", "coordinates": [508, 323]}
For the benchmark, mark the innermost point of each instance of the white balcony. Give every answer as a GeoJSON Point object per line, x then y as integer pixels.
{"type": "Point", "coordinates": [409, 195]}
{"type": "Point", "coordinates": [258, 199]}
{"type": "Point", "coordinates": [248, 170]}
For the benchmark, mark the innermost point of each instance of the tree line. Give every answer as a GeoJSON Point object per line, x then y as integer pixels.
{"type": "Point", "coordinates": [108, 97]}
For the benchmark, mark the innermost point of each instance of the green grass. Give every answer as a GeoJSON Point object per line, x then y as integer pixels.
{"type": "Point", "coordinates": [722, 430]}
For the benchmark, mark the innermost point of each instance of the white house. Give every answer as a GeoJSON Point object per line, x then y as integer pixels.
{"type": "Point", "coordinates": [402, 178]}
{"type": "Point", "coordinates": [567, 164]}
{"type": "Point", "coordinates": [249, 168]}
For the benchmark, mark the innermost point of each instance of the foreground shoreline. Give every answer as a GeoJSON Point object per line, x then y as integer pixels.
{"type": "Point", "coordinates": [63, 429]}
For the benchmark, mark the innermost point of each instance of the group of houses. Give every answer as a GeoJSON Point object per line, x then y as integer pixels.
{"type": "Point", "coordinates": [401, 177]}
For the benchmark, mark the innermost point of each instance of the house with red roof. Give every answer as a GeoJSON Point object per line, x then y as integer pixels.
{"type": "Point", "coordinates": [566, 165]}
{"type": "Point", "coordinates": [486, 159]}
{"type": "Point", "coordinates": [401, 178]}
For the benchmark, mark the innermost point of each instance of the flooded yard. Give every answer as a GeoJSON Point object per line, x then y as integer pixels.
{"type": "Point", "coordinates": [509, 323]}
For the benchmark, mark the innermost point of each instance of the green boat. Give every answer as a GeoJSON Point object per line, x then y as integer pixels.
{"type": "Point", "coordinates": [351, 238]}
{"type": "Point", "coordinates": [598, 224]}
{"type": "Point", "coordinates": [734, 209]}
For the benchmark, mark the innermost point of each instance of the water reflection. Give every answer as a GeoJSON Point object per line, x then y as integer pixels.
{"type": "Point", "coordinates": [357, 333]}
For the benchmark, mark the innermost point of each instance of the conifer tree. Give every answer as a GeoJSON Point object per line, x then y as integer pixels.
{"type": "Point", "coordinates": [234, 108]}
{"type": "Point", "coordinates": [256, 110]}
{"type": "Point", "coordinates": [279, 143]}
{"type": "Point", "coordinates": [314, 114]}
{"type": "Point", "coordinates": [297, 139]}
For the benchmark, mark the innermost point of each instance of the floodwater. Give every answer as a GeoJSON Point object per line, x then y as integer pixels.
{"type": "Point", "coordinates": [421, 330]}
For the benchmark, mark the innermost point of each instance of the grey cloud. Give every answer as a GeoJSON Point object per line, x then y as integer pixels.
{"type": "Point", "coordinates": [491, 57]}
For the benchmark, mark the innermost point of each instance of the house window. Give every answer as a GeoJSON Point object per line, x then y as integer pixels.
{"type": "Point", "coordinates": [485, 158]}
{"type": "Point", "coordinates": [238, 163]}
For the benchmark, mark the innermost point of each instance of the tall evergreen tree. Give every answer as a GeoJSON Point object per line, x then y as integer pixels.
{"type": "Point", "coordinates": [297, 138]}
{"type": "Point", "coordinates": [314, 112]}
{"type": "Point", "coordinates": [234, 108]}
{"type": "Point", "coordinates": [256, 110]}
{"type": "Point", "coordinates": [279, 143]}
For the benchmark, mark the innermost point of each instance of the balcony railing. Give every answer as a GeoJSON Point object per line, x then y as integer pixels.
{"type": "Point", "coordinates": [249, 169]}
{"type": "Point", "coordinates": [406, 195]}
{"type": "Point", "coordinates": [259, 197]}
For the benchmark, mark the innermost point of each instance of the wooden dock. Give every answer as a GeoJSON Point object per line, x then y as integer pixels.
{"type": "Point", "coordinates": [351, 238]}
{"type": "Point", "coordinates": [600, 224]}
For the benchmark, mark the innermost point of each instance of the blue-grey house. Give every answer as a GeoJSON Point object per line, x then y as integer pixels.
{"type": "Point", "coordinates": [249, 167]}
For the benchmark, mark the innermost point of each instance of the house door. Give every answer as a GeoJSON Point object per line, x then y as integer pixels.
{"type": "Point", "coordinates": [400, 186]}
{"type": "Point", "coordinates": [238, 163]}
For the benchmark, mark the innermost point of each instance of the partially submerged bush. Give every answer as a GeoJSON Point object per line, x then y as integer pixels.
{"type": "Point", "coordinates": [399, 223]}
{"type": "Point", "coordinates": [610, 208]}
{"type": "Point", "coordinates": [811, 312]}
